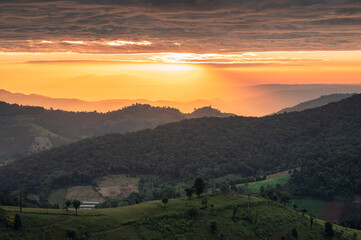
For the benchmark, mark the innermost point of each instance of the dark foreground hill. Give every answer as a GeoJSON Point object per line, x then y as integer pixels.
{"type": "Point", "coordinates": [26, 130]}
{"type": "Point", "coordinates": [232, 217]}
{"type": "Point", "coordinates": [209, 147]}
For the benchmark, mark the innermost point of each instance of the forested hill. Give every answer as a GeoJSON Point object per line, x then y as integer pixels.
{"type": "Point", "coordinates": [319, 102]}
{"type": "Point", "coordinates": [209, 147]}
{"type": "Point", "coordinates": [25, 129]}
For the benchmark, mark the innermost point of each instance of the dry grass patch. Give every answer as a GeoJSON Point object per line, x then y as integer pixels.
{"type": "Point", "coordinates": [117, 186]}
{"type": "Point", "coordinates": [84, 193]}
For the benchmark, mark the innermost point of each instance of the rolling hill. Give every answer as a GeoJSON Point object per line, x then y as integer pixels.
{"type": "Point", "coordinates": [321, 101]}
{"type": "Point", "coordinates": [258, 100]}
{"type": "Point", "coordinates": [232, 217]}
{"type": "Point", "coordinates": [209, 147]}
{"type": "Point", "coordinates": [25, 130]}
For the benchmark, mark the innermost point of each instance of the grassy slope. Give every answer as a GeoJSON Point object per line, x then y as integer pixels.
{"type": "Point", "coordinates": [150, 220]}
{"type": "Point", "coordinates": [254, 187]}
{"type": "Point", "coordinates": [314, 206]}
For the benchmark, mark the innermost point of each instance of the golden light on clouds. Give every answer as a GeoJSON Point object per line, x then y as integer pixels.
{"type": "Point", "coordinates": [122, 43]}
{"type": "Point", "coordinates": [171, 76]}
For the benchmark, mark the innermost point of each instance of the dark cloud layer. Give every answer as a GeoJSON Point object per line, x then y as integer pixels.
{"type": "Point", "coordinates": [179, 25]}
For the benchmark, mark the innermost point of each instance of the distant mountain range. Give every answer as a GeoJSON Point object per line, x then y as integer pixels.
{"type": "Point", "coordinates": [257, 100]}
{"type": "Point", "coordinates": [321, 101]}
{"type": "Point", "coordinates": [25, 130]}
{"type": "Point", "coordinates": [325, 142]}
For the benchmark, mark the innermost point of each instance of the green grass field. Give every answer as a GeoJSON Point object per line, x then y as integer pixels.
{"type": "Point", "coordinates": [151, 220]}
{"type": "Point", "coordinates": [254, 187]}
{"type": "Point", "coordinates": [313, 206]}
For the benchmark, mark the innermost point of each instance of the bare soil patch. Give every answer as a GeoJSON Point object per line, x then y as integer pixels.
{"type": "Point", "coordinates": [84, 193]}
{"type": "Point", "coordinates": [117, 186]}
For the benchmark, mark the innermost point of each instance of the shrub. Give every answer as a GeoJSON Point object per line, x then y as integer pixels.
{"type": "Point", "coordinates": [192, 212]}
{"type": "Point", "coordinates": [17, 222]}
{"type": "Point", "coordinates": [70, 234]}
{"type": "Point", "coordinates": [213, 227]}
{"type": "Point", "coordinates": [294, 233]}
{"type": "Point", "coordinates": [329, 229]}
{"type": "Point", "coordinates": [165, 201]}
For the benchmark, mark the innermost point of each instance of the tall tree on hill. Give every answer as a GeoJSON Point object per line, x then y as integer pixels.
{"type": "Point", "coordinates": [67, 204]}
{"type": "Point", "coordinates": [165, 201]}
{"type": "Point", "coordinates": [76, 205]}
{"type": "Point", "coordinates": [285, 197]}
{"type": "Point", "coordinates": [199, 186]}
{"type": "Point", "coordinates": [189, 192]}
{"type": "Point", "coordinates": [22, 196]}
{"type": "Point", "coordinates": [17, 223]}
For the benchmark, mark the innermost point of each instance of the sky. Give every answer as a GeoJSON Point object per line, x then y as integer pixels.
{"type": "Point", "coordinates": [178, 50]}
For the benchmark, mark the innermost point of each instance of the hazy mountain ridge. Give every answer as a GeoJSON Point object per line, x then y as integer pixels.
{"type": "Point", "coordinates": [321, 101]}
{"type": "Point", "coordinates": [256, 100]}
{"type": "Point", "coordinates": [26, 130]}
{"type": "Point", "coordinates": [210, 147]}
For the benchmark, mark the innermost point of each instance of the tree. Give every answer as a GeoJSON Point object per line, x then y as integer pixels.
{"type": "Point", "coordinates": [2, 214]}
{"type": "Point", "coordinates": [17, 223]}
{"type": "Point", "coordinates": [270, 193]}
{"type": "Point", "coordinates": [294, 233]}
{"type": "Point", "coordinates": [189, 192]}
{"type": "Point", "coordinates": [165, 201]}
{"type": "Point", "coordinates": [213, 227]}
{"type": "Point", "coordinates": [76, 205]}
{"type": "Point", "coordinates": [67, 204]}
{"type": "Point", "coordinates": [22, 196]}
{"type": "Point", "coordinates": [278, 189]}
{"type": "Point", "coordinates": [204, 202]}
{"type": "Point", "coordinates": [261, 190]}
{"type": "Point", "coordinates": [199, 186]}
{"type": "Point", "coordinates": [285, 197]}
{"type": "Point", "coordinates": [329, 229]}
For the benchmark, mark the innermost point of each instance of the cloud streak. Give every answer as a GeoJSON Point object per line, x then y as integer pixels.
{"type": "Point", "coordinates": [197, 26]}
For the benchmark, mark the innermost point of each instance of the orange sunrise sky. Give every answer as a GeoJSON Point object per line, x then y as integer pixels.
{"type": "Point", "coordinates": [175, 50]}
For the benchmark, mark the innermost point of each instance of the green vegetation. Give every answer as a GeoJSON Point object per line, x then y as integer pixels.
{"type": "Point", "coordinates": [224, 218]}
{"type": "Point", "coordinates": [325, 141]}
{"type": "Point", "coordinates": [25, 129]}
{"type": "Point", "coordinates": [354, 221]}
{"type": "Point", "coordinates": [330, 175]}
{"type": "Point", "coordinates": [314, 206]}
{"type": "Point", "coordinates": [254, 187]}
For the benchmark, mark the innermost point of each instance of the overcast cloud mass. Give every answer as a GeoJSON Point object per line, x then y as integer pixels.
{"type": "Point", "coordinates": [197, 26]}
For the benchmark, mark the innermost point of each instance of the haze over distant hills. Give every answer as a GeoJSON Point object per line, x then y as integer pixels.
{"type": "Point", "coordinates": [321, 101]}
{"type": "Point", "coordinates": [253, 100]}
{"type": "Point", "coordinates": [25, 130]}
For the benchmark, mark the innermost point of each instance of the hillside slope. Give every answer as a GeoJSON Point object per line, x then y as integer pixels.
{"type": "Point", "coordinates": [26, 130]}
{"type": "Point", "coordinates": [319, 102]}
{"type": "Point", "coordinates": [225, 218]}
{"type": "Point", "coordinates": [209, 147]}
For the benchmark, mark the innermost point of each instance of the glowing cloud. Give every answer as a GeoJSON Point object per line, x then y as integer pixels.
{"type": "Point", "coordinates": [122, 43]}
{"type": "Point", "coordinates": [74, 42]}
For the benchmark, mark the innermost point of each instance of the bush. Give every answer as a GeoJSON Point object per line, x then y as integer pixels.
{"type": "Point", "coordinates": [17, 224]}
{"type": "Point", "coordinates": [192, 212]}
{"type": "Point", "coordinates": [294, 233]}
{"type": "Point", "coordinates": [2, 215]}
{"type": "Point", "coordinates": [165, 201]}
{"type": "Point", "coordinates": [329, 229]}
{"type": "Point", "coordinates": [70, 234]}
{"type": "Point", "coordinates": [213, 227]}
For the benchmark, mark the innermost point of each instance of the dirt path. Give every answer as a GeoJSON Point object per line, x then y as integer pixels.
{"type": "Point", "coordinates": [282, 173]}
